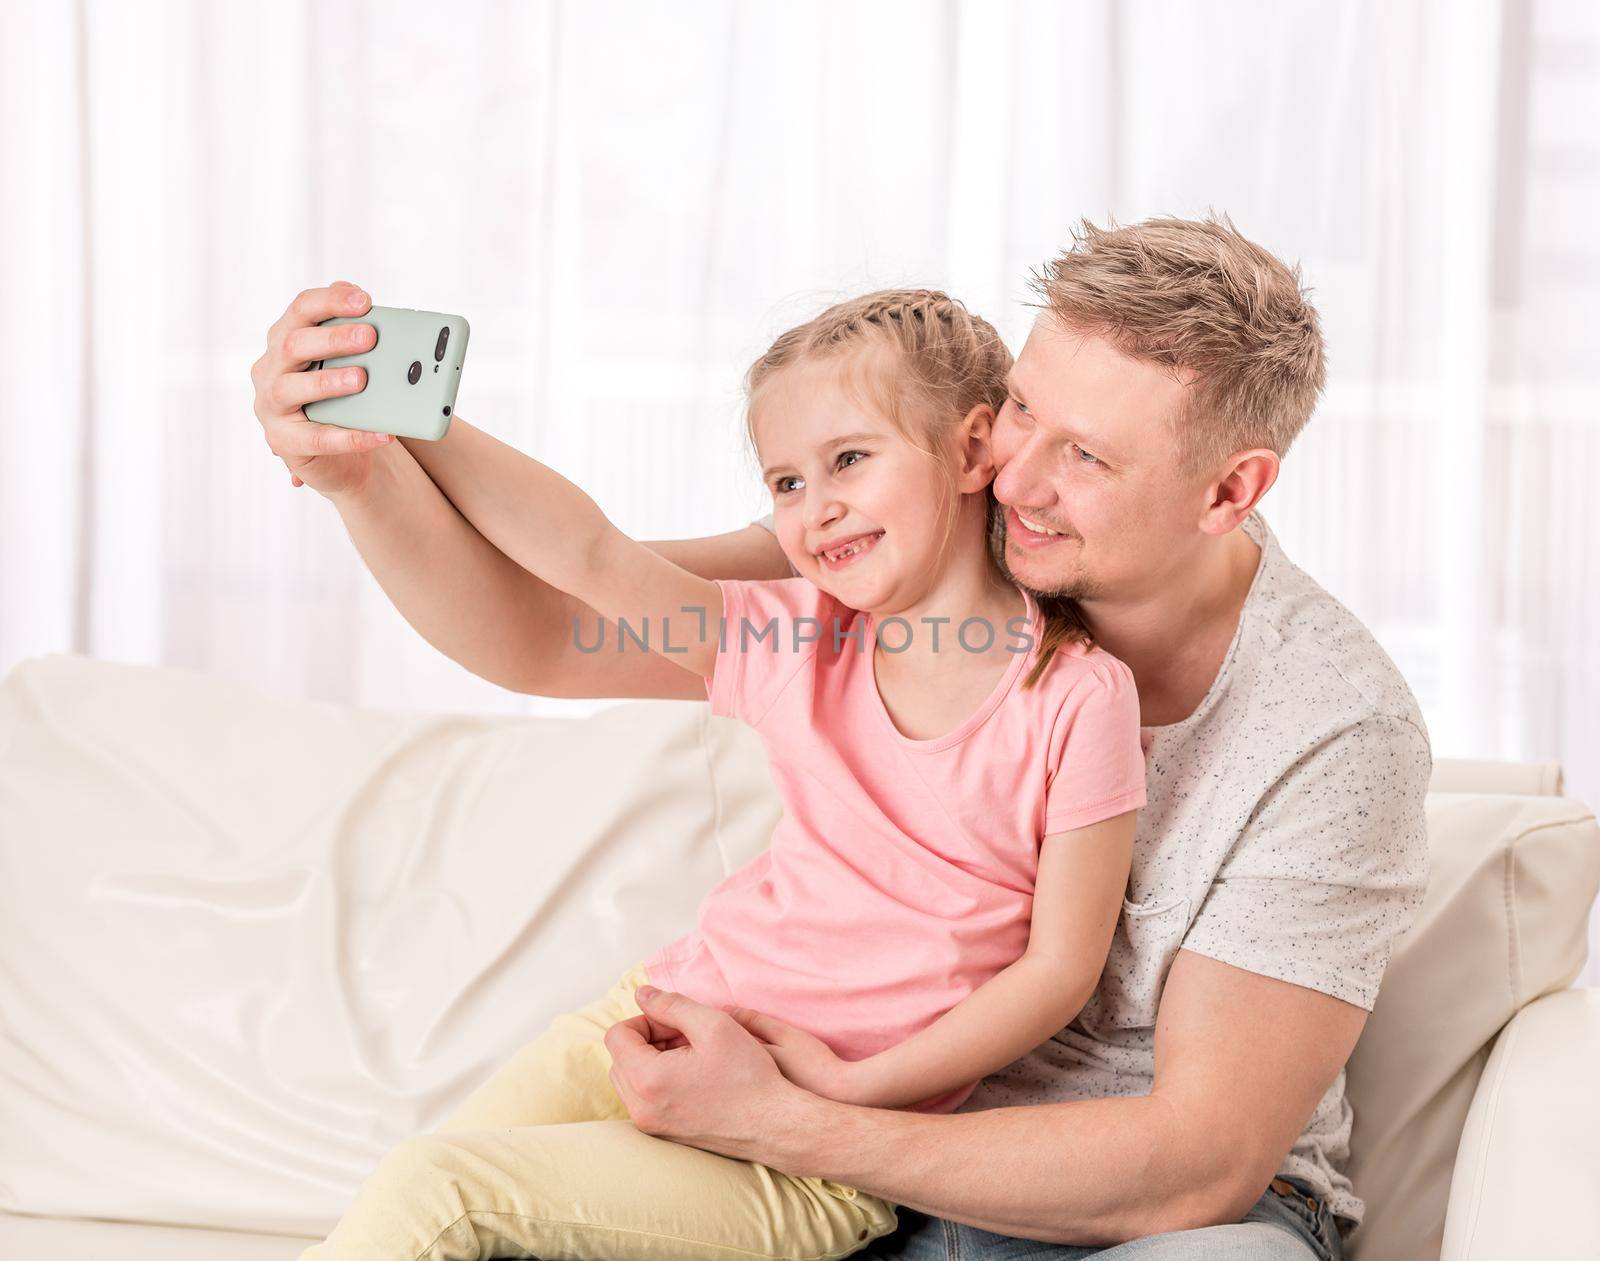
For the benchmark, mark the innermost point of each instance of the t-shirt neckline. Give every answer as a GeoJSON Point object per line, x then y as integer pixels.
{"type": "Point", "coordinates": [979, 716]}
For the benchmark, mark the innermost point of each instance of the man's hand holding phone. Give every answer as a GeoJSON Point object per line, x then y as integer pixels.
{"type": "Point", "coordinates": [330, 459]}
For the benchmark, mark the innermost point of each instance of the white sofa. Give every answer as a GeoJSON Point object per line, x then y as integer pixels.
{"type": "Point", "coordinates": [248, 944]}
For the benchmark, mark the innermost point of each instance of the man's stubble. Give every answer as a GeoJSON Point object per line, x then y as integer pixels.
{"type": "Point", "coordinates": [1080, 588]}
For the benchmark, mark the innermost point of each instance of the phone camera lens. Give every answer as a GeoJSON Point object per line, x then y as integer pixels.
{"type": "Point", "coordinates": [415, 374]}
{"type": "Point", "coordinates": [438, 346]}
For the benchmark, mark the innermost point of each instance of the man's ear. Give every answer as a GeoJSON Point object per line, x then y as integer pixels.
{"type": "Point", "coordinates": [1246, 477]}
{"type": "Point", "coordinates": [975, 459]}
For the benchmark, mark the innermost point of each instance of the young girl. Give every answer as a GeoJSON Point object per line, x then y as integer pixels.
{"type": "Point", "coordinates": [958, 768]}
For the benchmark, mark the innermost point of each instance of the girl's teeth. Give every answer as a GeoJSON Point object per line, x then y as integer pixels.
{"type": "Point", "coordinates": [850, 550]}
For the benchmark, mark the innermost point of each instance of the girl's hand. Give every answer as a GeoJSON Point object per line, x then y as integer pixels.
{"type": "Point", "coordinates": [807, 1061]}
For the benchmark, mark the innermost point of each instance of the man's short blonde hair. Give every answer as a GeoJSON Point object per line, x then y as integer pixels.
{"type": "Point", "coordinates": [1196, 297]}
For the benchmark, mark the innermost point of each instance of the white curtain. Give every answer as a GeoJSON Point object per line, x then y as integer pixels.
{"type": "Point", "coordinates": [627, 200]}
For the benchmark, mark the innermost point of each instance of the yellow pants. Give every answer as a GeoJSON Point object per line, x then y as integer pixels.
{"type": "Point", "coordinates": [542, 1161]}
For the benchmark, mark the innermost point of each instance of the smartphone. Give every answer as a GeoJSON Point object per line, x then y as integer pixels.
{"type": "Point", "coordinates": [413, 373]}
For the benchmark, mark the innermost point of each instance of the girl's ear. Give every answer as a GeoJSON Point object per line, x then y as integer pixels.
{"type": "Point", "coordinates": [974, 460]}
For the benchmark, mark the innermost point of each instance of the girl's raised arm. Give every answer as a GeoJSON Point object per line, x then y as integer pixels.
{"type": "Point", "coordinates": [555, 531]}
{"type": "Point", "coordinates": [458, 590]}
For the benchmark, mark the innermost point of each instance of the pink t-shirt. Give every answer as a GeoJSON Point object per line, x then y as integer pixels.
{"type": "Point", "coordinates": [900, 876]}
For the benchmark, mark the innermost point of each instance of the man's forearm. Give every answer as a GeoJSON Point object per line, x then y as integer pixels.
{"type": "Point", "coordinates": [479, 607]}
{"type": "Point", "coordinates": [1093, 1172]}
{"type": "Point", "coordinates": [456, 589]}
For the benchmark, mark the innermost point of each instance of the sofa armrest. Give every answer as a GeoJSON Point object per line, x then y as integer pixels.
{"type": "Point", "coordinates": [1528, 1156]}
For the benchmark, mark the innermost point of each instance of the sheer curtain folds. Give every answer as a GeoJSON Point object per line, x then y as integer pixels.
{"type": "Point", "coordinates": [628, 200]}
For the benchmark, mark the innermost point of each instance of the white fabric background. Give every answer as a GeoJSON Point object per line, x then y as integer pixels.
{"type": "Point", "coordinates": [627, 200]}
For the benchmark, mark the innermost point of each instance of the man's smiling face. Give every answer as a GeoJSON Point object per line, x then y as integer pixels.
{"type": "Point", "coordinates": [1085, 447]}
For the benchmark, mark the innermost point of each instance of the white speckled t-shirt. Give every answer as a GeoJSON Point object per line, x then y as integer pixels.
{"type": "Point", "coordinates": [1283, 833]}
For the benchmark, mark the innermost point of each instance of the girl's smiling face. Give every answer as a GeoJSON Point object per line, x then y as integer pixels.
{"type": "Point", "coordinates": [858, 509]}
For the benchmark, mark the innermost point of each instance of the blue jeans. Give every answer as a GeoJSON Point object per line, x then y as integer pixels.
{"type": "Point", "coordinates": [1277, 1228]}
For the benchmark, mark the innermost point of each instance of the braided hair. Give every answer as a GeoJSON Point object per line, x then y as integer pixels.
{"type": "Point", "coordinates": [942, 361]}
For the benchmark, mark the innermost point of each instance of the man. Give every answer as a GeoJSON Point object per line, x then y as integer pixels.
{"type": "Point", "coordinates": [1196, 1104]}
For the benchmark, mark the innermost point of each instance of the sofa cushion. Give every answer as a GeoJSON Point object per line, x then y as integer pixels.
{"type": "Point", "coordinates": [79, 1239]}
{"type": "Point", "coordinates": [252, 943]}
{"type": "Point", "coordinates": [1511, 881]}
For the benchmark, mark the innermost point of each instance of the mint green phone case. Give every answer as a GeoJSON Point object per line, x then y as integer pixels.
{"type": "Point", "coordinates": [413, 372]}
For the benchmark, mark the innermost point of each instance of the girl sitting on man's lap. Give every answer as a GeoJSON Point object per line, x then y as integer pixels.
{"type": "Point", "coordinates": [958, 768]}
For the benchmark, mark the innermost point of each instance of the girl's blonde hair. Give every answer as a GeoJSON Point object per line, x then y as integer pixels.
{"type": "Point", "coordinates": [923, 362]}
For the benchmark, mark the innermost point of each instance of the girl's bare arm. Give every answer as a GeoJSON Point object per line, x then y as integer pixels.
{"type": "Point", "coordinates": [460, 592]}
{"type": "Point", "coordinates": [479, 607]}
{"type": "Point", "coordinates": [553, 529]}
{"type": "Point", "coordinates": [1078, 893]}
